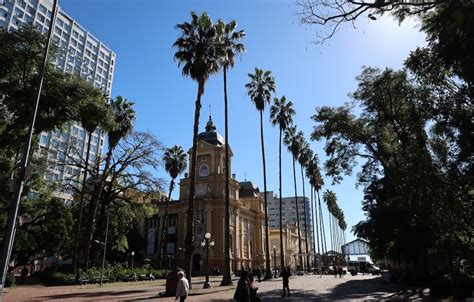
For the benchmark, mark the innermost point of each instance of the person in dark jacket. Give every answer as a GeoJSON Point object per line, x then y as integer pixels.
{"type": "Point", "coordinates": [285, 274]}
{"type": "Point", "coordinates": [242, 292]}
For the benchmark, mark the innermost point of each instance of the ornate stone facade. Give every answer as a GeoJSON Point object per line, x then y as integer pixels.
{"type": "Point", "coordinates": [246, 213]}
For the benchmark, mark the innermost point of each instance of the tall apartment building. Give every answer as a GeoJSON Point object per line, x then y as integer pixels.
{"type": "Point", "coordinates": [80, 53]}
{"type": "Point", "coordinates": [289, 213]}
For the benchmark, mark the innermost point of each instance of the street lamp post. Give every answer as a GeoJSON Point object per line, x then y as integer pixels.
{"type": "Point", "coordinates": [206, 243]}
{"type": "Point", "coordinates": [133, 254]}
{"type": "Point", "coordinates": [25, 170]}
{"type": "Point", "coordinates": [274, 261]}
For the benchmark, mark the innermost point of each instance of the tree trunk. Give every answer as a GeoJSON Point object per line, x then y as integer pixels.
{"type": "Point", "coordinates": [318, 227]}
{"type": "Point", "coordinates": [93, 209]}
{"type": "Point", "coordinates": [81, 207]}
{"type": "Point", "coordinates": [297, 214]}
{"type": "Point", "coordinates": [226, 278]}
{"type": "Point", "coordinates": [268, 272]}
{"type": "Point", "coordinates": [305, 220]}
{"type": "Point", "coordinates": [164, 233]}
{"type": "Point", "coordinates": [189, 240]}
{"type": "Point", "coordinates": [321, 228]}
{"type": "Point", "coordinates": [315, 232]}
{"type": "Point", "coordinates": [331, 236]}
{"type": "Point", "coordinates": [282, 251]}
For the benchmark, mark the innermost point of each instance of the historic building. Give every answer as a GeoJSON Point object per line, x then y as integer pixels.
{"type": "Point", "coordinates": [290, 244]}
{"type": "Point", "coordinates": [247, 234]}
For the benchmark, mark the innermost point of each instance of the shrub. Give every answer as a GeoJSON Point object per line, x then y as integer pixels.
{"type": "Point", "coordinates": [10, 280]}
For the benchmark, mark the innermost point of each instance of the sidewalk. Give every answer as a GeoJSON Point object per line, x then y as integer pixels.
{"type": "Point", "coordinates": [119, 291]}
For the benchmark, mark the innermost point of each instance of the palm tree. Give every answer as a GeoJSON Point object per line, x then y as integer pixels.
{"type": "Point", "coordinates": [293, 139]}
{"type": "Point", "coordinates": [310, 170]}
{"type": "Point", "coordinates": [281, 114]}
{"type": "Point", "coordinates": [197, 51]}
{"type": "Point", "coordinates": [306, 154]}
{"type": "Point", "coordinates": [317, 182]}
{"type": "Point", "coordinates": [92, 112]}
{"type": "Point", "coordinates": [176, 161]}
{"type": "Point", "coordinates": [121, 125]}
{"type": "Point", "coordinates": [260, 89]}
{"type": "Point", "coordinates": [330, 199]}
{"type": "Point", "coordinates": [229, 39]}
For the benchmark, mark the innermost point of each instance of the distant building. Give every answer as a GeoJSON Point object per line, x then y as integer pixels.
{"type": "Point", "coordinates": [290, 244]}
{"type": "Point", "coordinates": [80, 53]}
{"type": "Point", "coordinates": [289, 214]}
{"type": "Point", "coordinates": [357, 249]}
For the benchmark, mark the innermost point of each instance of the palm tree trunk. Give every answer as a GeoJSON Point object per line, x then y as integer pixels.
{"type": "Point", "coordinates": [317, 225]}
{"type": "Point", "coordinates": [305, 219]}
{"type": "Point", "coordinates": [164, 233]}
{"type": "Point", "coordinates": [226, 278]}
{"type": "Point", "coordinates": [330, 230]}
{"type": "Point", "coordinates": [315, 232]}
{"type": "Point", "coordinates": [268, 272]}
{"type": "Point", "coordinates": [321, 222]}
{"type": "Point", "coordinates": [282, 251]}
{"type": "Point", "coordinates": [81, 207]}
{"type": "Point", "coordinates": [189, 244]}
{"type": "Point", "coordinates": [93, 209]}
{"type": "Point", "coordinates": [297, 214]}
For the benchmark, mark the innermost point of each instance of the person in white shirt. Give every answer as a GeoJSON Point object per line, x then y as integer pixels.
{"type": "Point", "coordinates": [182, 288]}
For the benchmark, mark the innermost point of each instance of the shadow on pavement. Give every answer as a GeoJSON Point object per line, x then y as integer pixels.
{"type": "Point", "coordinates": [91, 295]}
{"type": "Point", "coordinates": [376, 289]}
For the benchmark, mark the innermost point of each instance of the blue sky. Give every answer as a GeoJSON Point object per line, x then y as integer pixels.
{"type": "Point", "coordinates": [141, 32]}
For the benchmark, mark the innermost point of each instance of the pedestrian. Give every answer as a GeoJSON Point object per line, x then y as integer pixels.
{"type": "Point", "coordinates": [182, 289]}
{"type": "Point", "coordinates": [285, 274]}
{"type": "Point", "coordinates": [336, 269]}
{"type": "Point", "coordinates": [259, 273]}
{"type": "Point", "coordinates": [242, 292]}
{"type": "Point", "coordinates": [339, 270]}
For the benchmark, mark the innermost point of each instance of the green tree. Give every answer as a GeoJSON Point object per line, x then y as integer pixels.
{"type": "Point", "coordinates": [405, 191]}
{"type": "Point", "coordinates": [292, 139]}
{"type": "Point", "coordinates": [197, 51]}
{"type": "Point", "coordinates": [281, 114]}
{"type": "Point", "coordinates": [260, 89]}
{"type": "Point", "coordinates": [229, 40]}
{"type": "Point", "coordinates": [92, 112]}
{"type": "Point", "coordinates": [176, 162]}
{"type": "Point", "coordinates": [121, 125]}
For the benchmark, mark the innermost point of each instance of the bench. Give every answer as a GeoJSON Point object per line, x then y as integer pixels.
{"type": "Point", "coordinates": [104, 280]}
{"type": "Point", "coordinates": [83, 281]}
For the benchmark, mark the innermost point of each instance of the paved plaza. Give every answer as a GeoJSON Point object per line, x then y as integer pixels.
{"type": "Point", "coordinates": [303, 288]}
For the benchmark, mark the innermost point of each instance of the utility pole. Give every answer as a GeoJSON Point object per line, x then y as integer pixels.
{"type": "Point", "coordinates": [25, 172]}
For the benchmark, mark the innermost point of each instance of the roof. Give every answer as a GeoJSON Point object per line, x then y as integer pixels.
{"type": "Point", "coordinates": [357, 239]}
{"type": "Point", "coordinates": [248, 189]}
{"type": "Point", "coordinates": [210, 135]}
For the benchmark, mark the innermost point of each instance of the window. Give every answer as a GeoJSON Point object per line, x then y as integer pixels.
{"type": "Point", "coordinates": [204, 170]}
{"type": "Point", "coordinates": [44, 139]}
{"type": "Point", "coordinates": [42, 9]}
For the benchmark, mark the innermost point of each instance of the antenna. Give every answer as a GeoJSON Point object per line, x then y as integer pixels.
{"type": "Point", "coordinates": [209, 111]}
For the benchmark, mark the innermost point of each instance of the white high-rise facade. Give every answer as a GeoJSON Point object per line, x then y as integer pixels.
{"type": "Point", "coordinates": [79, 53]}
{"type": "Point", "coordinates": [289, 213]}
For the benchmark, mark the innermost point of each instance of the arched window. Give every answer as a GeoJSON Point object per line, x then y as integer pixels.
{"type": "Point", "coordinates": [204, 170]}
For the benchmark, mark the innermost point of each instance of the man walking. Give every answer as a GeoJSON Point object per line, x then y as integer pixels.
{"type": "Point", "coordinates": [182, 288]}
{"type": "Point", "coordinates": [285, 274]}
